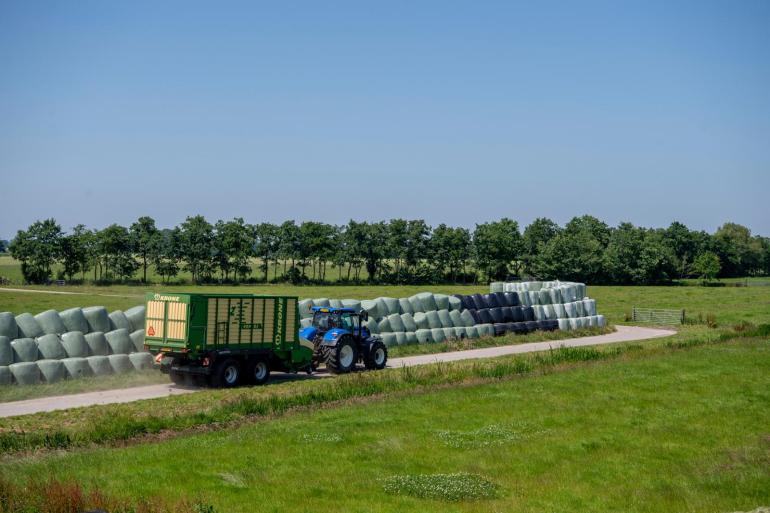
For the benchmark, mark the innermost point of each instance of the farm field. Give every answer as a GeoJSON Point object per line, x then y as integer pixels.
{"type": "Point", "coordinates": [654, 429]}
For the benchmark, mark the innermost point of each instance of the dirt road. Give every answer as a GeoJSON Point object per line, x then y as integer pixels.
{"type": "Point", "coordinates": [125, 395]}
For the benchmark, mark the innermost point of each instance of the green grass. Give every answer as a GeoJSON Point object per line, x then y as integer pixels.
{"type": "Point", "coordinates": [651, 430]}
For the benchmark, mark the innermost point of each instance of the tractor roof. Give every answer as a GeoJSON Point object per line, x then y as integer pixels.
{"type": "Point", "coordinates": [331, 309]}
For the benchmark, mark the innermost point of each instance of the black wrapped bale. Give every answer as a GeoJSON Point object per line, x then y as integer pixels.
{"type": "Point", "coordinates": [466, 301]}
{"type": "Point", "coordinates": [479, 302]}
{"type": "Point", "coordinates": [507, 313]}
{"type": "Point", "coordinates": [512, 299]}
{"type": "Point", "coordinates": [500, 330]}
{"type": "Point", "coordinates": [74, 320]}
{"type": "Point", "coordinates": [531, 325]}
{"type": "Point", "coordinates": [501, 299]}
{"type": "Point", "coordinates": [50, 347]}
{"type": "Point", "coordinates": [491, 301]}
{"type": "Point", "coordinates": [28, 326]}
{"type": "Point", "coordinates": [497, 315]}
{"type": "Point", "coordinates": [475, 316]}
{"type": "Point", "coordinates": [24, 350]}
{"type": "Point", "coordinates": [8, 327]}
{"type": "Point", "coordinates": [485, 316]}
{"type": "Point", "coordinates": [519, 328]}
{"type": "Point", "coordinates": [518, 313]}
{"type": "Point", "coordinates": [50, 322]}
{"type": "Point", "coordinates": [529, 313]}
{"type": "Point", "coordinates": [551, 325]}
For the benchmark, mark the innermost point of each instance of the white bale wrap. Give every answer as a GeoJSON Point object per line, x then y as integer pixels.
{"type": "Point", "coordinates": [28, 326]}
{"type": "Point", "coordinates": [589, 306]}
{"type": "Point", "coordinates": [471, 332]}
{"type": "Point", "coordinates": [559, 310]}
{"type": "Point", "coordinates": [25, 373]}
{"type": "Point", "coordinates": [467, 318]}
{"type": "Point", "coordinates": [433, 319]}
{"type": "Point", "coordinates": [600, 321]}
{"type": "Point", "coordinates": [141, 361]}
{"type": "Point", "coordinates": [421, 320]}
{"type": "Point", "coordinates": [460, 332]}
{"type": "Point", "coordinates": [321, 301]}
{"type": "Point", "coordinates": [400, 338]}
{"type": "Point", "coordinates": [119, 341]}
{"type": "Point", "coordinates": [396, 324]}
{"type": "Point", "coordinates": [564, 324]}
{"type": "Point", "coordinates": [416, 303]}
{"type": "Point", "coordinates": [372, 325]}
{"type": "Point", "coordinates": [6, 378]}
{"type": "Point", "coordinates": [335, 303]}
{"type": "Point", "coordinates": [137, 339]}
{"type": "Point", "coordinates": [534, 297]}
{"type": "Point", "coordinates": [437, 334]}
{"type": "Point", "coordinates": [446, 320]}
{"type": "Point", "coordinates": [100, 365]}
{"type": "Point", "coordinates": [8, 327]}
{"type": "Point", "coordinates": [305, 308]}
{"type": "Point", "coordinates": [98, 318]}
{"type": "Point", "coordinates": [52, 371]}
{"type": "Point", "coordinates": [571, 310]}
{"type": "Point", "coordinates": [544, 297]}
{"type": "Point", "coordinates": [389, 339]}
{"type": "Point", "coordinates": [411, 337]}
{"type": "Point", "coordinates": [405, 306]}
{"type": "Point", "coordinates": [119, 321]}
{"type": "Point", "coordinates": [384, 326]}
{"type": "Point", "coordinates": [77, 368]}
{"type": "Point", "coordinates": [592, 322]}
{"type": "Point", "coordinates": [74, 344]}
{"type": "Point", "coordinates": [555, 295]}
{"type": "Point", "coordinates": [456, 317]}
{"type": "Point", "coordinates": [355, 304]}
{"type": "Point", "coordinates": [50, 322]}
{"type": "Point", "coordinates": [408, 322]}
{"type": "Point", "coordinates": [50, 347]}
{"type": "Point", "coordinates": [391, 304]}
{"type": "Point", "coordinates": [97, 344]}
{"type": "Point", "coordinates": [424, 336]}
{"type": "Point", "coordinates": [442, 301]}
{"type": "Point", "coordinates": [449, 334]}
{"type": "Point", "coordinates": [549, 312]}
{"type": "Point", "coordinates": [372, 307]}
{"type": "Point", "coordinates": [136, 317]}
{"type": "Point", "coordinates": [306, 322]}
{"type": "Point", "coordinates": [24, 350]}
{"type": "Point", "coordinates": [574, 323]}
{"type": "Point", "coordinates": [427, 301]}
{"type": "Point", "coordinates": [579, 309]}
{"type": "Point", "coordinates": [455, 303]}
{"type": "Point", "coordinates": [539, 314]}
{"type": "Point", "coordinates": [6, 351]}
{"type": "Point", "coordinates": [120, 363]}
{"type": "Point", "coordinates": [524, 298]}
{"type": "Point", "coordinates": [485, 330]}
{"type": "Point", "coordinates": [497, 286]}
{"type": "Point", "coordinates": [74, 320]}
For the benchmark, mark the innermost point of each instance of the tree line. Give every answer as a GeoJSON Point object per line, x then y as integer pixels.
{"type": "Point", "coordinates": [394, 252]}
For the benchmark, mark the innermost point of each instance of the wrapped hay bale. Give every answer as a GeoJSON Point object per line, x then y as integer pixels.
{"type": "Point", "coordinates": [445, 319]}
{"type": "Point", "coordinates": [456, 317]}
{"type": "Point", "coordinates": [98, 319]}
{"type": "Point", "coordinates": [25, 373]}
{"type": "Point", "coordinates": [141, 361]}
{"type": "Point", "coordinates": [460, 332]}
{"type": "Point", "coordinates": [372, 325]}
{"type": "Point", "coordinates": [76, 368]}
{"type": "Point", "coordinates": [600, 322]}
{"type": "Point", "coordinates": [559, 311]}
{"type": "Point", "coordinates": [100, 365]}
{"type": "Point", "coordinates": [467, 318]}
{"type": "Point", "coordinates": [471, 332]}
{"type": "Point", "coordinates": [534, 297]}
{"type": "Point", "coordinates": [421, 320]}
{"type": "Point", "coordinates": [306, 322]}
{"type": "Point", "coordinates": [389, 339]}
{"type": "Point", "coordinates": [486, 330]}
{"type": "Point", "coordinates": [455, 303]}
{"type": "Point", "coordinates": [589, 306]}
{"type": "Point", "coordinates": [135, 316]}
{"type": "Point", "coordinates": [137, 339]}
{"type": "Point", "coordinates": [372, 307]}
{"type": "Point", "coordinates": [424, 336]}
{"type": "Point", "coordinates": [569, 293]}
{"type": "Point", "coordinates": [321, 301]}
{"type": "Point", "coordinates": [479, 302]}
{"type": "Point", "coordinates": [512, 299]}
{"type": "Point", "coordinates": [6, 378]}
{"type": "Point", "coordinates": [119, 321]}
{"type": "Point", "coordinates": [592, 322]}
{"type": "Point", "coordinates": [305, 308]}
{"type": "Point", "coordinates": [571, 310]}
{"type": "Point", "coordinates": [442, 301]}
{"type": "Point", "coordinates": [396, 324]}
{"type": "Point", "coordinates": [437, 334]}
{"type": "Point", "coordinates": [335, 303]}
{"type": "Point", "coordinates": [539, 315]}
{"type": "Point", "coordinates": [28, 326]}
{"type": "Point", "coordinates": [8, 326]}
{"type": "Point", "coordinates": [563, 324]}
{"type": "Point", "coordinates": [50, 322]}
{"type": "Point", "coordinates": [555, 294]}
{"type": "Point", "coordinates": [449, 334]}
{"type": "Point", "coordinates": [531, 325]}
{"type": "Point", "coordinates": [579, 308]}
{"type": "Point", "coordinates": [400, 338]}
{"type": "Point", "coordinates": [545, 297]}
{"type": "Point", "coordinates": [411, 337]}
{"type": "Point", "coordinates": [518, 313]}
{"type": "Point", "coordinates": [573, 323]}
{"type": "Point", "coordinates": [355, 304]}
{"type": "Point", "coordinates": [391, 305]}
{"type": "Point", "coordinates": [52, 371]}
{"type": "Point", "coordinates": [433, 319]}
{"type": "Point", "coordinates": [6, 351]}
{"type": "Point", "coordinates": [74, 320]}
{"type": "Point", "coordinates": [97, 344]}
{"type": "Point", "coordinates": [408, 321]}
{"type": "Point", "coordinates": [74, 344]}
{"type": "Point", "coordinates": [580, 290]}
{"type": "Point", "coordinates": [496, 314]}
{"type": "Point", "coordinates": [50, 348]}
{"type": "Point", "coordinates": [484, 316]}
{"type": "Point", "coordinates": [427, 301]}
{"type": "Point", "coordinates": [24, 350]}
{"type": "Point", "coordinates": [120, 363]}
{"type": "Point", "coordinates": [529, 313]}
{"type": "Point", "coordinates": [119, 341]}
{"type": "Point", "coordinates": [549, 312]}
{"type": "Point", "coordinates": [404, 306]}
{"type": "Point", "coordinates": [491, 301]}
{"type": "Point", "coordinates": [497, 286]}
{"type": "Point", "coordinates": [416, 303]}
{"type": "Point", "coordinates": [384, 326]}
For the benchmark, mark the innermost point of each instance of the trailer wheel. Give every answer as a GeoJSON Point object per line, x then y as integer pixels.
{"type": "Point", "coordinates": [342, 357]}
{"type": "Point", "coordinates": [377, 357]}
{"type": "Point", "coordinates": [226, 374]}
{"type": "Point", "coordinates": [177, 378]}
{"type": "Point", "coordinates": [259, 371]}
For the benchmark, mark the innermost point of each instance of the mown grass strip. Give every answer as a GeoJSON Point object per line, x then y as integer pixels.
{"type": "Point", "coordinates": [112, 424]}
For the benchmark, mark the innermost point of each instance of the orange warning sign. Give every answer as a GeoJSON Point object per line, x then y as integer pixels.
{"type": "Point", "coordinates": [151, 331]}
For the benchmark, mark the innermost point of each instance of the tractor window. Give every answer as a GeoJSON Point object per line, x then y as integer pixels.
{"type": "Point", "coordinates": [347, 322]}
{"type": "Point", "coordinates": [325, 321]}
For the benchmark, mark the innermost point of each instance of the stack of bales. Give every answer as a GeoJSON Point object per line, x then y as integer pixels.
{"type": "Point", "coordinates": [563, 302]}
{"type": "Point", "coordinates": [422, 318]}
{"type": "Point", "coordinates": [52, 346]}
{"type": "Point", "coordinates": [498, 313]}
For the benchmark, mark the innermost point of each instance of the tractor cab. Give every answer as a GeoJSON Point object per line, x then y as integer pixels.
{"type": "Point", "coordinates": [340, 340]}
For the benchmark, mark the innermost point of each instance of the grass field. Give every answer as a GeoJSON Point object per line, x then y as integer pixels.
{"type": "Point", "coordinates": [667, 430]}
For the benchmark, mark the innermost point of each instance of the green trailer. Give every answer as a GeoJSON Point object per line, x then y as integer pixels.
{"type": "Point", "coordinates": [225, 339]}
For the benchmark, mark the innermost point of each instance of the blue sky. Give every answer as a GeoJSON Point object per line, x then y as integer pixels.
{"type": "Point", "coordinates": [455, 112]}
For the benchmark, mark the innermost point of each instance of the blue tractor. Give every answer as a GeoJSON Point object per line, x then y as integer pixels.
{"type": "Point", "coordinates": [340, 340]}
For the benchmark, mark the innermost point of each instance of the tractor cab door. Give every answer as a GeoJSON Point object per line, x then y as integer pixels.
{"type": "Point", "coordinates": [351, 323]}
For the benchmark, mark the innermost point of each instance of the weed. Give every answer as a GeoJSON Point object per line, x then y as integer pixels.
{"type": "Point", "coordinates": [488, 436]}
{"type": "Point", "coordinates": [445, 487]}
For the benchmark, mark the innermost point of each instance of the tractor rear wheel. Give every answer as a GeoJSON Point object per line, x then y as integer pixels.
{"type": "Point", "coordinates": [342, 358]}
{"type": "Point", "coordinates": [377, 357]}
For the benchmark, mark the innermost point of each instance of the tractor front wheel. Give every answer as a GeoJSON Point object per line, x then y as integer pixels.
{"type": "Point", "coordinates": [342, 357]}
{"type": "Point", "coordinates": [377, 357]}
